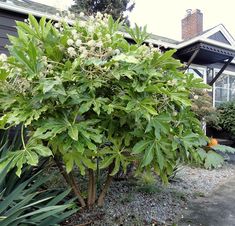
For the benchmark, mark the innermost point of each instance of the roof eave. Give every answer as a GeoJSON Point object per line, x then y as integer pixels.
{"type": "Point", "coordinates": [22, 10]}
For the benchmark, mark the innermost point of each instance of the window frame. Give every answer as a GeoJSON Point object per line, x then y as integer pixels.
{"type": "Point", "coordinates": [225, 72]}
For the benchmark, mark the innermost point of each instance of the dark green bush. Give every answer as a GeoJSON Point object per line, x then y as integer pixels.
{"type": "Point", "coordinates": [226, 117]}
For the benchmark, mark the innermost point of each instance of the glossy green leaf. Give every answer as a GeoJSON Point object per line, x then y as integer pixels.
{"type": "Point", "coordinates": [73, 132]}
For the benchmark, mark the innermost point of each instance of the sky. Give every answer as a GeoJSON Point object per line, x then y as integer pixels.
{"type": "Point", "coordinates": [163, 17]}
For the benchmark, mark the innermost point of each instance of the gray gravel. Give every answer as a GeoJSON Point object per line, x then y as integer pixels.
{"type": "Point", "coordinates": [130, 205]}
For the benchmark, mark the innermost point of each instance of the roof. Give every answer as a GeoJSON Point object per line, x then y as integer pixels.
{"type": "Point", "coordinates": [215, 44]}
{"type": "Point", "coordinates": [164, 39]}
{"type": "Point", "coordinates": [28, 7]}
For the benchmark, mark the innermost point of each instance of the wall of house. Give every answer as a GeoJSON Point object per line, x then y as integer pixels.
{"type": "Point", "coordinates": [7, 26]}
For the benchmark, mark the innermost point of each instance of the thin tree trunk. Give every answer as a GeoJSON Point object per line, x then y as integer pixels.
{"type": "Point", "coordinates": [76, 190]}
{"type": "Point", "coordinates": [91, 188]}
{"type": "Point", "coordinates": [106, 186]}
{"type": "Point", "coordinates": [94, 189]}
{"type": "Point", "coordinates": [69, 178]}
{"type": "Point", "coordinates": [61, 169]}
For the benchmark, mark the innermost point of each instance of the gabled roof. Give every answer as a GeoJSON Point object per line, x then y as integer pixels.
{"type": "Point", "coordinates": [217, 36]}
{"type": "Point", "coordinates": [211, 46]}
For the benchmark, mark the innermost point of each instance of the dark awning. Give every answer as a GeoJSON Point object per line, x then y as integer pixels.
{"type": "Point", "coordinates": [206, 53]}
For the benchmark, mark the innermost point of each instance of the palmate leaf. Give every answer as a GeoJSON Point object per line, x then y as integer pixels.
{"type": "Point", "coordinates": [141, 146]}
{"type": "Point", "coordinates": [181, 98]}
{"type": "Point", "coordinates": [81, 160]}
{"type": "Point", "coordinates": [29, 155]}
{"type": "Point", "coordinates": [50, 128]}
{"type": "Point", "coordinates": [138, 34]}
{"type": "Point", "coordinates": [149, 154]}
{"type": "Point", "coordinates": [213, 160]}
{"type": "Point", "coordinates": [107, 161]}
{"type": "Point", "coordinates": [117, 165]}
{"type": "Point", "coordinates": [160, 124]}
{"type": "Point", "coordinates": [73, 132]}
{"type": "Point", "coordinates": [115, 154]}
{"type": "Point", "coordinates": [223, 148]}
{"type": "Point", "coordinates": [41, 150]}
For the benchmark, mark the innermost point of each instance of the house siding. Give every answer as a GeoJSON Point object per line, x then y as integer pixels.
{"type": "Point", "coordinates": [218, 36]}
{"type": "Point", "coordinates": [7, 26]}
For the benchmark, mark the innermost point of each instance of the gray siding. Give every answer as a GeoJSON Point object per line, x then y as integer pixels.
{"type": "Point", "coordinates": [218, 36]}
{"type": "Point", "coordinates": [7, 26]}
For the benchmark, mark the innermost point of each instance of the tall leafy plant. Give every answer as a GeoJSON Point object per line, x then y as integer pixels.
{"type": "Point", "coordinates": [91, 100]}
{"type": "Point", "coordinates": [24, 200]}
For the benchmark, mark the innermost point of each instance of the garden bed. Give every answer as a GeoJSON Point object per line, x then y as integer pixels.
{"type": "Point", "coordinates": [128, 203]}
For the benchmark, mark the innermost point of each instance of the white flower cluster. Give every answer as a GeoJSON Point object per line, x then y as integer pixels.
{"type": "Point", "coordinates": [3, 57]}
{"type": "Point", "coordinates": [65, 16]}
{"type": "Point", "coordinates": [172, 82]}
{"type": "Point", "coordinates": [72, 52]}
{"type": "Point", "coordinates": [48, 67]}
{"type": "Point", "coordinates": [88, 38]}
{"type": "Point", "coordinates": [3, 62]}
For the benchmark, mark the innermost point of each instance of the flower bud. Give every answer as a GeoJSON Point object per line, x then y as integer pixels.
{"type": "Point", "coordinates": [70, 42]}
{"type": "Point", "coordinates": [78, 42]}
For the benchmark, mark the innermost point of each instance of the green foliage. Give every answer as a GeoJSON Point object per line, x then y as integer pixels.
{"type": "Point", "coordinates": [203, 107]}
{"type": "Point", "coordinates": [24, 204]}
{"type": "Point", "coordinates": [116, 8]}
{"type": "Point", "coordinates": [211, 156]}
{"type": "Point", "coordinates": [76, 88]}
{"type": "Point", "coordinates": [147, 183]}
{"type": "Point", "coordinates": [138, 34]}
{"type": "Point", "coordinates": [223, 148]}
{"type": "Point", "coordinates": [226, 115]}
{"type": "Point", "coordinates": [23, 201]}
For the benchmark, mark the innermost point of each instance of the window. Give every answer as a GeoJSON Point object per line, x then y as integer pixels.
{"type": "Point", "coordinates": [199, 72]}
{"type": "Point", "coordinates": [224, 89]}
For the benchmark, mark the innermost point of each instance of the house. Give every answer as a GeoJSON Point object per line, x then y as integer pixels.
{"type": "Point", "coordinates": [18, 10]}
{"type": "Point", "coordinates": [208, 54]}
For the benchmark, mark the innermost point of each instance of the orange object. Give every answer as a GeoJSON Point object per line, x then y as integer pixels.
{"type": "Point", "coordinates": [213, 142]}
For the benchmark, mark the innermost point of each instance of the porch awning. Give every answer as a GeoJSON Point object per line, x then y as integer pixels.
{"type": "Point", "coordinates": [206, 53]}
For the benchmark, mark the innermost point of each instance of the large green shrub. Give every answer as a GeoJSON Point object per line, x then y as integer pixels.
{"type": "Point", "coordinates": [226, 118]}
{"type": "Point", "coordinates": [90, 99]}
{"type": "Point", "coordinates": [202, 106]}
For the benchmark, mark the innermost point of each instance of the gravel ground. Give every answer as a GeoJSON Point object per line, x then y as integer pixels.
{"type": "Point", "coordinates": [129, 204]}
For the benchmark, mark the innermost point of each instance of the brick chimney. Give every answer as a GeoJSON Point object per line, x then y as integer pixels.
{"type": "Point", "coordinates": [192, 24]}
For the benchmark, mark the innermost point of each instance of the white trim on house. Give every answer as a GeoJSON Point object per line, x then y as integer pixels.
{"type": "Point", "coordinates": [225, 72]}
{"type": "Point", "coordinates": [23, 10]}
{"type": "Point", "coordinates": [205, 40]}
{"type": "Point", "coordinates": [201, 38]}
{"type": "Point", "coordinates": [223, 30]}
